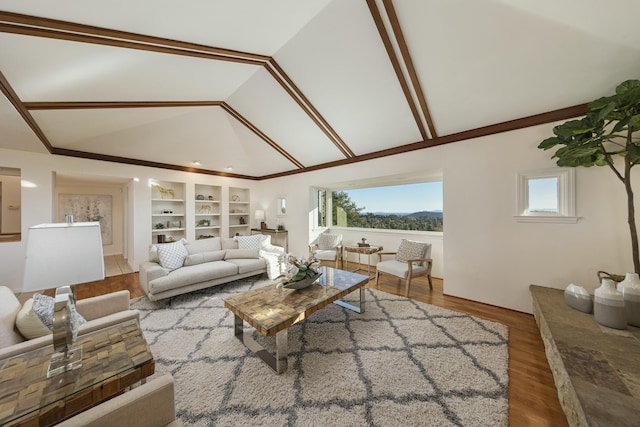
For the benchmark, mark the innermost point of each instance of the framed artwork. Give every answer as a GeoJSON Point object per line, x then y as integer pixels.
{"type": "Point", "coordinates": [88, 208]}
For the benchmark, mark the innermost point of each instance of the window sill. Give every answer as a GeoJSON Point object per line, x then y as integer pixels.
{"type": "Point", "coordinates": [547, 219]}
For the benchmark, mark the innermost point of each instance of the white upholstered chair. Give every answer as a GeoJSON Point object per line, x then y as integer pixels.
{"type": "Point", "coordinates": [412, 259]}
{"type": "Point", "coordinates": [327, 247]}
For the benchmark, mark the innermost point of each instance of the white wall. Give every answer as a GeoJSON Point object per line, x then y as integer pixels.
{"type": "Point", "coordinates": [486, 255]}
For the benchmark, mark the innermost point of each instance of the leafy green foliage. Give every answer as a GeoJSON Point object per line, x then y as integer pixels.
{"type": "Point", "coordinates": [604, 134]}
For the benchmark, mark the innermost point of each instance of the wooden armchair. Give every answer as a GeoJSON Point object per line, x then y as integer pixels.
{"type": "Point", "coordinates": [413, 259]}
{"type": "Point", "coordinates": [328, 247]}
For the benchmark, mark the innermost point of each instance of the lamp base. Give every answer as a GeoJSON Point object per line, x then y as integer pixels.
{"type": "Point", "coordinates": [66, 361]}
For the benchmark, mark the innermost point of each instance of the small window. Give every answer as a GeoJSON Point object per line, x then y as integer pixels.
{"type": "Point", "coordinates": [546, 195]}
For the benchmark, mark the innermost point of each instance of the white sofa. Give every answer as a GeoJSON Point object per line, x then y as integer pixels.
{"type": "Point", "coordinates": [208, 262]}
{"type": "Point", "coordinates": [100, 312]}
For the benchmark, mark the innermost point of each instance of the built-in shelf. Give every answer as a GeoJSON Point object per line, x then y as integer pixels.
{"type": "Point", "coordinates": [167, 208]}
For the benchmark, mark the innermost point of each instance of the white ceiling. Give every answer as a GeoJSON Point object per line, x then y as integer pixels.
{"type": "Point", "coordinates": [314, 85]}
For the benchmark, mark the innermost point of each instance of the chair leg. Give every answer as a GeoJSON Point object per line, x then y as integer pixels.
{"type": "Point", "coordinates": [406, 294]}
{"type": "Point", "coordinates": [377, 277]}
{"type": "Point", "coordinates": [430, 283]}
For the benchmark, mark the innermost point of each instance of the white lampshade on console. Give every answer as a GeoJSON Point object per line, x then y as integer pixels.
{"type": "Point", "coordinates": [259, 217]}
{"type": "Point", "coordinates": [61, 256]}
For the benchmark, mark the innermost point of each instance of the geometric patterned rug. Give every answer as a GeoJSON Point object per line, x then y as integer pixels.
{"type": "Point", "coordinates": [400, 363]}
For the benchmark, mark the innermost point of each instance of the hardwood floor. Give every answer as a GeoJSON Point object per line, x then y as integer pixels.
{"type": "Point", "coordinates": [533, 399]}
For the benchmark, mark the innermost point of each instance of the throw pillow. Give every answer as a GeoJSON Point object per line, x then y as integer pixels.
{"type": "Point", "coordinates": [410, 249]}
{"type": "Point", "coordinates": [172, 255]}
{"type": "Point", "coordinates": [250, 242]}
{"type": "Point", "coordinates": [328, 241]}
{"type": "Point", "coordinates": [28, 322]}
{"type": "Point", "coordinates": [43, 308]}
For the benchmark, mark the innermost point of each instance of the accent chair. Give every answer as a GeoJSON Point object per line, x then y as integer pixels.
{"type": "Point", "coordinates": [412, 259]}
{"type": "Point", "coordinates": [327, 247]}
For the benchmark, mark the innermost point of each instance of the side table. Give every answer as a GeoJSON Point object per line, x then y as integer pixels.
{"type": "Point", "coordinates": [278, 237]}
{"type": "Point", "coordinates": [366, 250]}
{"type": "Point", "coordinates": [113, 359]}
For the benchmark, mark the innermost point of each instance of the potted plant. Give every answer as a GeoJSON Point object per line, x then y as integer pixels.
{"type": "Point", "coordinates": [605, 134]}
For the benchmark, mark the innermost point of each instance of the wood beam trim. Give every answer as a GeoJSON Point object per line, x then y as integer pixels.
{"type": "Point", "coordinates": [406, 57]}
{"type": "Point", "coordinates": [11, 95]}
{"type": "Point", "coordinates": [117, 104]}
{"type": "Point", "coordinates": [136, 162]}
{"type": "Point", "coordinates": [260, 134]}
{"type": "Point", "coordinates": [287, 84]}
{"type": "Point", "coordinates": [70, 27]}
{"type": "Point", "coordinates": [127, 44]}
{"type": "Point", "coordinates": [386, 40]}
{"type": "Point", "coordinates": [535, 120]}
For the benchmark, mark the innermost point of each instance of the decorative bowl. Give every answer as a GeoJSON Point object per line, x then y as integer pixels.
{"type": "Point", "coordinates": [301, 284]}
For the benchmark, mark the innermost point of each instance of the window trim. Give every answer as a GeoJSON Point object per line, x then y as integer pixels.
{"type": "Point", "coordinates": [566, 196]}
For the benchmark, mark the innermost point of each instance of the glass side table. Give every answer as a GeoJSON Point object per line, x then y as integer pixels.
{"type": "Point", "coordinates": [360, 250]}
{"type": "Point", "coordinates": [113, 359]}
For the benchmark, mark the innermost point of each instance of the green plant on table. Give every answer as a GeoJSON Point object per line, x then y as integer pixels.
{"type": "Point", "coordinates": [300, 269]}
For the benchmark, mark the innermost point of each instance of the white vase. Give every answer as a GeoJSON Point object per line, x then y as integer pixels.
{"type": "Point", "coordinates": [630, 288]}
{"type": "Point", "coordinates": [608, 306]}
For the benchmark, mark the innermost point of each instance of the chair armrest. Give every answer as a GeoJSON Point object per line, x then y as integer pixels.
{"type": "Point", "coordinates": [151, 404]}
{"type": "Point", "coordinates": [384, 253]}
{"type": "Point", "coordinates": [103, 305]}
{"type": "Point", "coordinates": [313, 247]}
{"type": "Point", "coordinates": [428, 261]}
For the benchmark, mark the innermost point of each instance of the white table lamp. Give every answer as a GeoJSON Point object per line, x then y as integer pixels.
{"type": "Point", "coordinates": [260, 216]}
{"type": "Point", "coordinates": [61, 256]}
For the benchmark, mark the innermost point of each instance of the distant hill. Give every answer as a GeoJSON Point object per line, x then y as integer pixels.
{"type": "Point", "coordinates": [434, 214]}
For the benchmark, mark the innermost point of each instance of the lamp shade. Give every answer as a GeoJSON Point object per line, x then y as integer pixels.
{"type": "Point", "coordinates": [259, 215]}
{"type": "Point", "coordinates": [63, 254]}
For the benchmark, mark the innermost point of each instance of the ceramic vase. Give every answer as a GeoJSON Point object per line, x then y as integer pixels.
{"type": "Point", "coordinates": [630, 288]}
{"type": "Point", "coordinates": [608, 306]}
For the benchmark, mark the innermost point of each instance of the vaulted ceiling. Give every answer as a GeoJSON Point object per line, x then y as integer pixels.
{"type": "Point", "coordinates": [270, 88]}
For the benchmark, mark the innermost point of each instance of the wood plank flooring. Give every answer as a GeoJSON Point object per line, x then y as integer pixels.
{"type": "Point", "coordinates": [533, 399]}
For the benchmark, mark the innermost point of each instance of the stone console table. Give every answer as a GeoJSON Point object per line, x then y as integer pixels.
{"type": "Point", "coordinates": [596, 369]}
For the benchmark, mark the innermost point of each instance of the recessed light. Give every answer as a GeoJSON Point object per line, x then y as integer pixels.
{"type": "Point", "coordinates": [229, 168]}
{"type": "Point", "coordinates": [196, 163]}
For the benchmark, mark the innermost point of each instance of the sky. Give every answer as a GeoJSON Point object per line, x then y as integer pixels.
{"type": "Point", "coordinates": [543, 194]}
{"type": "Point", "coordinates": [406, 198]}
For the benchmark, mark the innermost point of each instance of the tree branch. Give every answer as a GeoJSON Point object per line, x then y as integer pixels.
{"type": "Point", "coordinates": [610, 163]}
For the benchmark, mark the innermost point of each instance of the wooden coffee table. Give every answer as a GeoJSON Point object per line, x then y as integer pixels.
{"type": "Point", "coordinates": [113, 359]}
{"type": "Point", "coordinates": [272, 310]}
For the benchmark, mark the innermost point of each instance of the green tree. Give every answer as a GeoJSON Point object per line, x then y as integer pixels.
{"type": "Point", "coordinates": [345, 211]}
{"type": "Point", "coordinates": [605, 133]}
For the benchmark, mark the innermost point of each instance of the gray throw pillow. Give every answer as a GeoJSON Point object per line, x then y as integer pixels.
{"type": "Point", "coordinates": [43, 308]}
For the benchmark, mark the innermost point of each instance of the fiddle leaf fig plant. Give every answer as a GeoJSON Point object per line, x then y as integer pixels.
{"type": "Point", "coordinates": [606, 136]}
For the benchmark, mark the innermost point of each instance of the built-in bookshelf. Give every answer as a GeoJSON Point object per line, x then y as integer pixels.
{"type": "Point", "coordinates": [239, 212]}
{"type": "Point", "coordinates": [207, 211]}
{"type": "Point", "coordinates": [167, 211]}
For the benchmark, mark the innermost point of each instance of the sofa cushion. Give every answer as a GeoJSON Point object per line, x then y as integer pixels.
{"type": "Point", "coordinates": [9, 308]}
{"type": "Point", "coordinates": [172, 255]}
{"type": "Point", "coordinates": [28, 322]}
{"type": "Point", "coordinates": [242, 254]}
{"type": "Point", "coordinates": [250, 242]}
{"type": "Point", "coordinates": [201, 257]}
{"type": "Point", "coordinates": [193, 274]}
{"type": "Point", "coordinates": [204, 245]}
{"type": "Point", "coordinates": [229, 243]}
{"type": "Point", "coordinates": [246, 265]}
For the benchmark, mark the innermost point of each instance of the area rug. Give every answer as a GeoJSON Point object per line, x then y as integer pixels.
{"type": "Point", "coordinates": [401, 362]}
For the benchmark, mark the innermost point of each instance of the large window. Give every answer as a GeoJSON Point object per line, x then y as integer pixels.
{"type": "Point", "coordinates": [395, 207]}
